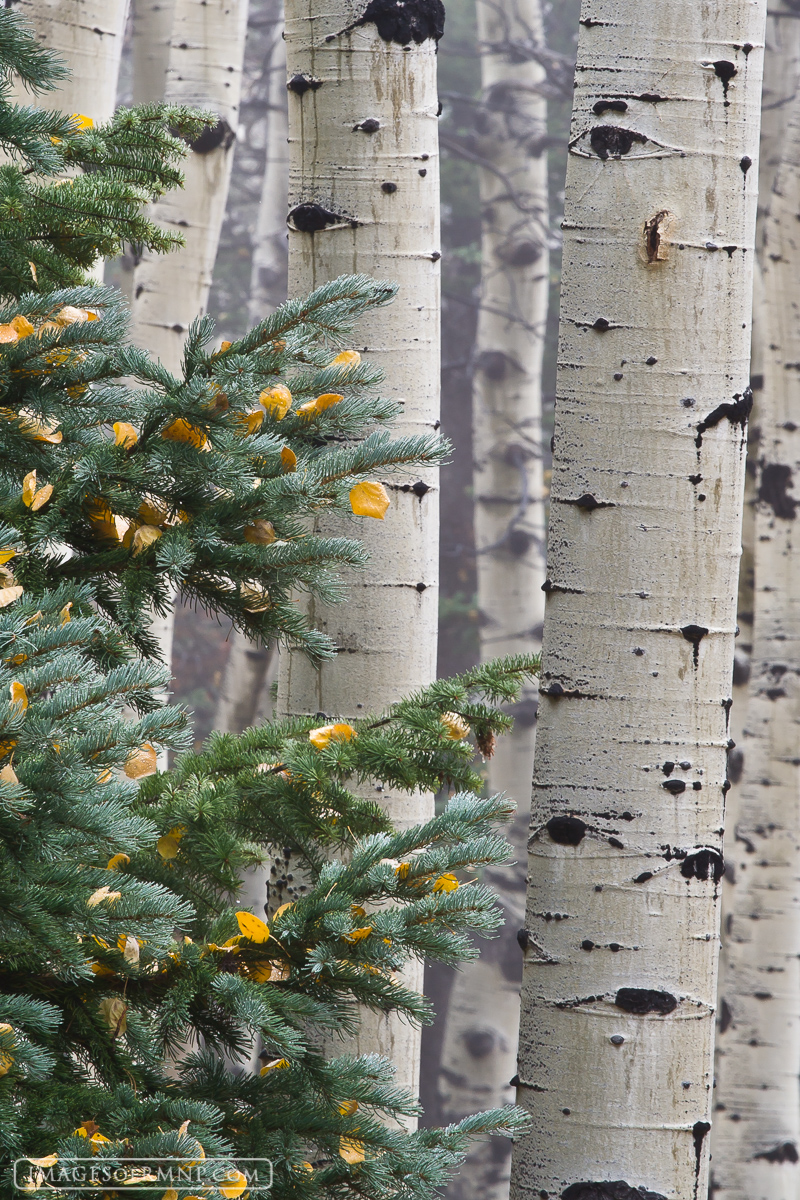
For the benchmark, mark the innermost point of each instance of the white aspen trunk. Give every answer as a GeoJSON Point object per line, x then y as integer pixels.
{"type": "Point", "coordinates": [480, 1039]}
{"type": "Point", "coordinates": [248, 669]}
{"type": "Point", "coordinates": [204, 69]}
{"type": "Point", "coordinates": [364, 196]}
{"type": "Point", "coordinates": [88, 35]}
{"type": "Point", "coordinates": [619, 977]}
{"type": "Point", "coordinates": [151, 34]}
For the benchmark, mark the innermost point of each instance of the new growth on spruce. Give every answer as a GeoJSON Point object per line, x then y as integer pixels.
{"type": "Point", "coordinates": [145, 1012]}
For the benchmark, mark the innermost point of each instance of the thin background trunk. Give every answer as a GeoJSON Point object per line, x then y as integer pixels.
{"type": "Point", "coordinates": [752, 1120]}
{"type": "Point", "coordinates": [480, 1040]}
{"type": "Point", "coordinates": [363, 146]}
{"type": "Point", "coordinates": [250, 670]}
{"type": "Point", "coordinates": [619, 986]}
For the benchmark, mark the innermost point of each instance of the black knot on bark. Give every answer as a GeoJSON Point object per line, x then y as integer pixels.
{"type": "Point", "coordinates": [405, 21]}
{"type": "Point", "coordinates": [311, 218]}
{"type": "Point", "coordinates": [300, 84]}
{"type": "Point", "coordinates": [211, 138]}
{"type": "Point", "coordinates": [567, 831]}
{"type": "Point", "coordinates": [645, 1000]}
{"type": "Point", "coordinates": [612, 141]}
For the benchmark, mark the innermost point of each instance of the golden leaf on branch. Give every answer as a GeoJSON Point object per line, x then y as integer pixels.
{"type": "Point", "coordinates": [261, 971]}
{"type": "Point", "coordinates": [339, 732]}
{"type": "Point", "coordinates": [124, 434]}
{"type": "Point", "coordinates": [49, 1160]}
{"type": "Point", "coordinates": [445, 883]}
{"type": "Point", "coordinates": [351, 1150]}
{"type": "Point", "coordinates": [348, 1108]}
{"type": "Point", "coordinates": [252, 927]}
{"type": "Point", "coordinates": [277, 401]}
{"type": "Point", "coordinates": [369, 500]}
{"type": "Point", "coordinates": [289, 459]}
{"type": "Point", "coordinates": [23, 327]}
{"type": "Point", "coordinates": [5, 555]}
{"type": "Point", "coordinates": [142, 762]}
{"type": "Point", "coordinates": [153, 511]}
{"type": "Point", "coordinates": [260, 533]}
{"type": "Point", "coordinates": [8, 774]}
{"type": "Point", "coordinates": [168, 846]}
{"type": "Point", "coordinates": [358, 935]}
{"type": "Point", "coordinates": [346, 358]}
{"type": "Point", "coordinates": [251, 422]}
{"type": "Point", "coordinates": [145, 536]}
{"type": "Point", "coordinates": [64, 615]}
{"type": "Point", "coordinates": [456, 727]}
{"type": "Point", "coordinates": [277, 1064]}
{"type": "Point", "coordinates": [41, 497]}
{"type": "Point", "coordinates": [233, 1184]}
{"type": "Point", "coordinates": [19, 697]}
{"type": "Point", "coordinates": [255, 597]}
{"type": "Point", "coordinates": [114, 1012]}
{"type": "Point", "coordinates": [8, 334]}
{"type": "Point", "coordinates": [280, 911]}
{"type": "Point", "coordinates": [103, 893]}
{"type": "Point", "coordinates": [118, 860]}
{"type": "Point", "coordinates": [69, 315]}
{"type": "Point", "coordinates": [29, 488]}
{"type": "Point", "coordinates": [180, 430]}
{"type": "Point", "coordinates": [130, 949]}
{"type": "Point", "coordinates": [80, 123]}
{"type": "Point", "coordinates": [327, 400]}
{"type": "Point", "coordinates": [9, 594]}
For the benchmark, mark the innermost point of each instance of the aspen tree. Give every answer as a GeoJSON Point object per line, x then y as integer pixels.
{"type": "Point", "coordinates": [620, 937]}
{"type": "Point", "coordinates": [480, 1038]}
{"type": "Point", "coordinates": [250, 668]}
{"type": "Point", "coordinates": [88, 36]}
{"type": "Point", "coordinates": [364, 195]}
{"type": "Point", "coordinates": [150, 38]}
{"type": "Point", "coordinates": [203, 70]}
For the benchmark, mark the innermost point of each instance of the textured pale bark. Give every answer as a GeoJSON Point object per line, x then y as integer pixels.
{"type": "Point", "coordinates": [151, 33]}
{"type": "Point", "coordinates": [249, 667]}
{"type": "Point", "coordinates": [204, 70]}
{"type": "Point", "coordinates": [757, 1129]}
{"type": "Point", "coordinates": [88, 35]}
{"type": "Point", "coordinates": [364, 175]}
{"type": "Point", "coordinates": [619, 980]}
{"type": "Point", "coordinates": [480, 1040]}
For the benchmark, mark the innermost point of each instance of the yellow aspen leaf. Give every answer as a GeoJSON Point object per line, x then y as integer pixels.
{"type": "Point", "coordinates": [357, 910]}
{"type": "Point", "coordinates": [64, 615]}
{"type": "Point", "coordinates": [167, 846]}
{"type": "Point", "coordinates": [260, 971]}
{"type": "Point", "coordinates": [369, 499]}
{"type": "Point", "coordinates": [41, 497]}
{"type": "Point", "coordinates": [402, 871]}
{"type": "Point", "coordinates": [142, 762]}
{"type": "Point", "coordinates": [6, 555]}
{"type": "Point", "coordinates": [339, 732]}
{"type": "Point", "coordinates": [114, 1012]}
{"type": "Point", "coordinates": [80, 123]}
{"type": "Point", "coordinates": [289, 459]}
{"type": "Point", "coordinates": [348, 1107]}
{"type": "Point", "coordinates": [86, 1129]}
{"type": "Point", "coordinates": [455, 726]}
{"type": "Point", "coordinates": [252, 927]}
{"type": "Point", "coordinates": [33, 271]}
{"type": "Point", "coordinates": [225, 346]}
{"type": "Point", "coordinates": [250, 422]}
{"type": "Point", "coordinates": [117, 861]}
{"type": "Point", "coordinates": [144, 536]}
{"type": "Point", "coordinates": [280, 972]}
{"type": "Point", "coordinates": [8, 335]}
{"type": "Point", "coordinates": [130, 951]}
{"type": "Point", "coordinates": [276, 400]}
{"type": "Point", "coordinates": [7, 746]}
{"type": "Point", "coordinates": [233, 1184]}
{"type": "Point", "coordinates": [8, 774]}
{"type": "Point", "coordinates": [104, 776]}
{"type": "Point", "coordinates": [346, 358]}
{"type": "Point", "coordinates": [304, 1166]}
{"type": "Point", "coordinates": [260, 533]}
{"type": "Point", "coordinates": [70, 315]}
{"type": "Point", "coordinates": [170, 1194]}
{"type": "Point", "coordinates": [445, 883]}
{"type": "Point", "coordinates": [124, 434]}
{"type": "Point", "coordinates": [358, 935]}
{"type": "Point", "coordinates": [153, 511]}
{"type": "Point", "coordinates": [102, 893]}
{"type": "Point", "coordinates": [40, 431]}
{"type": "Point", "coordinates": [29, 488]}
{"type": "Point", "coordinates": [351, 1150]}
{"type": "Point", "coordinates": [255, 597]}
{"type": "Point", "coordinates": [9, 594]}
{"type": "Point", "coordinates": [326, 400]}
{"type": "Point", "coordinates": [23, 326]}
{"type": "Point", "coordinates": [49, 1160]}
{"type": "Point", "coordinates": [19, 697]}
{"type": "Point", "coordinates": [277, 1064]}
{"type": "Point", "coordinates": [283, 908]}
{"type": "Point", "coordinates": [180, 430]}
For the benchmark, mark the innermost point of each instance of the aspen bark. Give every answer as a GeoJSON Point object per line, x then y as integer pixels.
{"type": "Point", "coordinates": [204, 69]}
{"type": "Point", "coordinates": [619, 976]}
{"type": "Point", "coordinates": [757, 1127]}
{"type": "Point", "coordinates": [480, 1040]}
{"type": "Point", "coordinates": [364, 196]}
{"type": "Point", "coordinates": [151, 34]}
{"type": "Point", "coordinates": [249, 667]}
{"type": "Point", "coordinates": [88, 35]}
